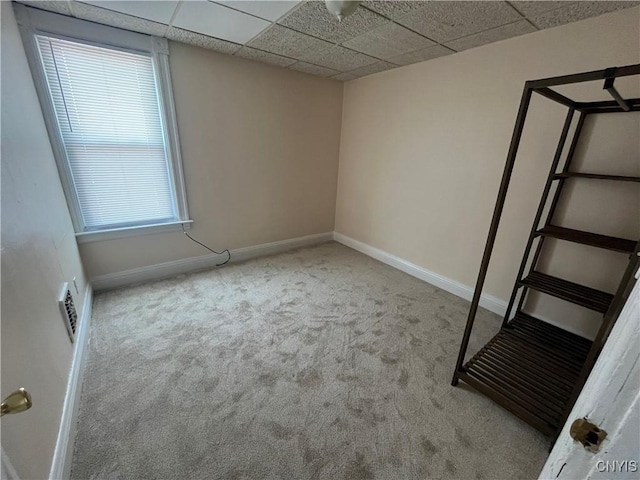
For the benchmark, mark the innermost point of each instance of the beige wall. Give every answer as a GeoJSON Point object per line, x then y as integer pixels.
{"type": "Point", "coordinates": [39, 253]}
{"type": "Point", "coordinates": [260, 155]}
{"type": "Point", "coordinates": [423, 149]}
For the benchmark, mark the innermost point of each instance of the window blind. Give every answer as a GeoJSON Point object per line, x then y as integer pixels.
{"type": "Point", "coordinates": [107, 107]}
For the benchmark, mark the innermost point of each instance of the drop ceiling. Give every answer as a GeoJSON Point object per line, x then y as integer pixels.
{"type": "Point", "coordinates": [303, 36]}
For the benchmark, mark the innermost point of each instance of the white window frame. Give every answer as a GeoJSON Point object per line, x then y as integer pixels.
{"type": "Point", "coordinates": [34, 22]}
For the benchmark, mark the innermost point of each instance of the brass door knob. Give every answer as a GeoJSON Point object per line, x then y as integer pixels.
{"type": "Point", "coordinates": [588, 434]}
{"type": "Point", "coordinates": [17, 402]}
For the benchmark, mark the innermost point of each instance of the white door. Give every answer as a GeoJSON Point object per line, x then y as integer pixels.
{"type": "Point", "coordinates": [610, 400]}
{"type": "Point", "coordinates": [7, 472]}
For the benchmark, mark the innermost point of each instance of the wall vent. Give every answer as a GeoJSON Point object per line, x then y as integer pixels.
{"type": "Point", "coordinates": [68, 309]}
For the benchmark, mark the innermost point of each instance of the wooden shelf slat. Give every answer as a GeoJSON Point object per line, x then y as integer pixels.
{"type": "Point", "coordinates": [587, 238]}
{"type": "Point", "coordinates": [571, 292]}
{"type": "Point", "coordinates": [597, 176]}
{"type": "Point", "coordinates": [527, 375]}
{"type": "Point", "coordinates": [537, 332]}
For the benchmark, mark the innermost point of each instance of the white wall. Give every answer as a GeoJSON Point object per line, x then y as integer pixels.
{"type": "Point", "coordinates": [39, 253]}
{"type": "Point", "coordinates": [260, 154]}
{"type": "Point", "coordinates": [423, 148]}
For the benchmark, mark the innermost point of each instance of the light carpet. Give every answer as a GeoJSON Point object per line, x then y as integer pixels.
{"type": "Point", "coordinates": [319, 363]}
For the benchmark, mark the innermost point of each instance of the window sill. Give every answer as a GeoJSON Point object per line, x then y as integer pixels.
{"type": "Point", "coordinates": [99, 235]}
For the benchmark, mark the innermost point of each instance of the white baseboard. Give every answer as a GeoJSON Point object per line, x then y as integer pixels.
{"type": "Point", "coordinates": [61, 464]}
{"type": "Point", "coordinates": [491, 303]}
{"type": "Point", "coordinates": [203, 262]}
{"type": "Point", "coordinates": [192, 264]}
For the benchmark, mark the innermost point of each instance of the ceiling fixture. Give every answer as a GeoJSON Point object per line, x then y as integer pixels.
{"type": "Point", "coordinates": [342, 8]}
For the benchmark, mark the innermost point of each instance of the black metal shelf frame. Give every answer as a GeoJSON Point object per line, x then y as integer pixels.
{"type": "Point", "coordinates": [519, 367]}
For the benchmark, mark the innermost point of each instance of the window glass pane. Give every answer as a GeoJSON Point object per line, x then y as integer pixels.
{"type": "Point", "coordinates": [107, 108]}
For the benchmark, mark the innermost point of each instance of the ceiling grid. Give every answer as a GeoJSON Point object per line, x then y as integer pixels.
{"type": "Point", "coordinates": [304, 36]}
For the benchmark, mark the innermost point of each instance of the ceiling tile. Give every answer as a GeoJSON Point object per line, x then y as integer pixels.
{"type": "Point", "coordinates": [344, 77]}
{"type": "Point", "coordinates": [421, 55]}
{"type": "Point", "coordinates": [314, 19]}
{"type": "Point", "coordinates": [217, 21]}
{"type": "Point", "coordinates": [157, 11]}
{"type": "Point", "coordinates": [270, 10]}
{"type": "Point", "coordinates": [264, 57]}
{"type": "Point", "coordinates": [377, 67]}
{"type": "Point", "coordinates": [117, 19]}
{"type": "Point", "coordinates": [444, 21]}
{"type": "Point", "coordinates": [389, 40]}
{"type": "Point", "coordinates": [313, 69]}
{"type": "Point", "coordinates": [578, 11]}
{"type": "Point", "coordinates": [307, 33]}
{"type": "Point", "coordinates": [282, 41]}
{"type": "Point", "coordinates": [529, 9]}
{"type": "Point", "coordinates": [338, 58]}
{"type": "Point", "coordinates": [199, 40]}
{"type": "Point", "coordinates": [50, 5]}
{"type": "Point", "coordinates": [396, 9]}
{"type": "Point", "coordinates": [494, 35]}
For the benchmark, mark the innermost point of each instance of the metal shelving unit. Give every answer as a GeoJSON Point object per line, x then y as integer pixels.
{"type": "Point", "coordinates": [534, 369]}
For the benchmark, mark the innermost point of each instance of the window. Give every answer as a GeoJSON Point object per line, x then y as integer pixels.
{"type": "Point", "coordinates": [114, 133]}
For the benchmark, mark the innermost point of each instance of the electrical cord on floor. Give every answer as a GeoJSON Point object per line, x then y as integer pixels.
{"type": "Point", "coordinates": [211, 250]}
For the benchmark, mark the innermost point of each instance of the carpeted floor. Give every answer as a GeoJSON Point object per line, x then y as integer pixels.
{"type": "Point", "coordinates": [319, 363]}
